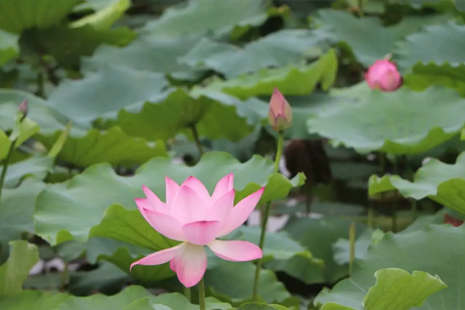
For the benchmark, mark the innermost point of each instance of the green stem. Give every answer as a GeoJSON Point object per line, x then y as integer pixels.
{"type": "Point", "coordinates": [201, 288]}
{"type": "Point", "coordinates": [197, 139]}
{"type": "Point", "coordinates": [279, 151]}
{"type": "Point", "coordinates": [394, 202]}
{"type": "Point", "coordinates": [351, 246]}
{"type": "Point", "coordinates": [187, 292]}
{"type": "Point", "coordinates": [371, 214]}
{"type": "Point", "coordinates": [40, 84]}
{"type": "Point", "coordinates": [360, 8]}
{"type": "Point", "coordinates": [64, 277]}
{"type": "Point", "coordinates": [414, 209]}
{"type": "Point", "coordinates": [5, 166]}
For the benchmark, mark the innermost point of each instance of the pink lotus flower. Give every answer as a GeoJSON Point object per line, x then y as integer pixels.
{"type": "Point", "coordinates": [383, 75]}
{"type": "Point", "coordinates": [194, 217]}
{"type": "Point", "coordinates": [280, 113]}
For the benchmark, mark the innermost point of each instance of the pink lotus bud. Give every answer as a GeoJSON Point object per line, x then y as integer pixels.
{"type": "Point", "coordinates": [23, 107]}
{"type": "Point", "coordinates": [280, 113]}
{"type": "Point", "coordinates": [383, 75]}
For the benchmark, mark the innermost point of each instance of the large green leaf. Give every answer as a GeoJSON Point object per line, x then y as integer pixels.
{"type": "Point", "coordinates": [275, 50]}
{"type": "Point", "coordinates": [84, 146]}
{"type": "Point", "coordinates": [197, 17]}
{"type": "Point", "coordinates": [441, 182]}
{"type": "Point", "coordinates": [422, 76]}
{"type": "Point", "coordinates": [104, 93]}
{"type": "Point", "coordinates": [278, 245]}
{"type": "Point", "coordinates": [290, 80]}
{"type": "Point", "coordinates": [401, 122]}
{"type": "Point", "coordinates": [112, 146]}
{"type": "Point", "coordinates": [9, 48]}
{"type": "Point", "coordinates": [36, 300]}
{"type": "Point", "coordinates": [37, 166]}
{"type": "Point", "coordinates": [100, 301]}
{"type": "Point", "coordinates": [419, 250]}
{"type": "Point", "coordinates": [214, 117]}
{"type": "Point", "coordinates": [17, 208]}
{"type": "Point", "coordinates": [318, 236]}
{"type": "Point", "coordinates": [107, 279]}
{"type": "Point", "coordinates": [377, 41]}
{"type": "Point", "coordinates": [145, 54]}
{"type": "Point", "coordinates": [89, 194]}
{"type": "Point", "coordinates": [67, 45]}
{"type": "Point", "coordinates": [123, 254]}
{"type": "Point", "coordinates": [396, 289]}
{"type": "Point", "coordinates": [18, 15]}
{"type": "Point", "coordinates": [418, 48]}
{"type": "Point", "coordinates": [240, 277]}
{"type": "Point", "coordinates": [23, 256]}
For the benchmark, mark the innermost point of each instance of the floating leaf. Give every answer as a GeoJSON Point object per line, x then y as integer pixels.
{"type": "Point", "coordinates": [87, 195]}
{"type": "Point", "coordinates": [401, 122]}
{"type": "Point", "coordinates": [9, 48]}
{"type": "Point", "coordinates": [444, 183]}
{"type": "Point", "coordinates": [23, 256]}
{"type": "Point", "coordinates": [275, 50]}
{"type": "Point", "coordinates": [16, 16]}
{"type": "Point", "coordinates": [418, 48]}
{"type": "Point", "coordinates": [290, 80]}
{"type": "Point", "coordinates": [195, 18]}
{"type": "Point", "coordinates": [408, 252]}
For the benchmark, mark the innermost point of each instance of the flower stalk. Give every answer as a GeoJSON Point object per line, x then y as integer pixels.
{"type": "Point", "coordinates": [201, 288]}
{"type": "Point", "coordinates": [266, 215]}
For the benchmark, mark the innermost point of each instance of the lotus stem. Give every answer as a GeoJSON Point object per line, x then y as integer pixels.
{"type": "Point", "coordinates": [187, 292]}
{"type": "Point", "coordinates": [360, 8]}
{"type": "Point", "coordinates": [201, 288]}
{"type": "Point", "coordinates": [5, 167]}
{"type": "Point", "coordinates": [197, 139]}
{"type": "Point", "coordinates": [279, 151]}
{"type": "Point", "coordinates": [351, 246]}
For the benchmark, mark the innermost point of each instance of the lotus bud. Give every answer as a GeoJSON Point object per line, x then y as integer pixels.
{"type": "Point", "coordinates": [383, 75]}
{"type": "Point", "coordinates": [23, 107]}
{"type": "Point", "coordinates": [280, 113]}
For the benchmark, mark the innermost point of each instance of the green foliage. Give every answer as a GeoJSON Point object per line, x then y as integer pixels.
{"type": "Point", "coordinates": [441, 182]}
{"type": "Point", "coordinates": [82, 195]}
{"type": "Point", "coordinates": [397, 289]}
{"type": "Point", "coordinates": [122, 93]}
{"type": "Point", "coordinates": [406, 251]}
{"type": "Point", "coordinates": [13, 273]}
{"type": "Point", "coordinates": [401, 122]}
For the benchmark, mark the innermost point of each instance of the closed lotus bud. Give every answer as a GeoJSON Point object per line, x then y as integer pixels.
{"type": "Point", "coordinates": [280, 113]}
{"type": "Point", "coordinates": [23, 107]}
{"type": "Point", "coordinates": [383, 75]}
